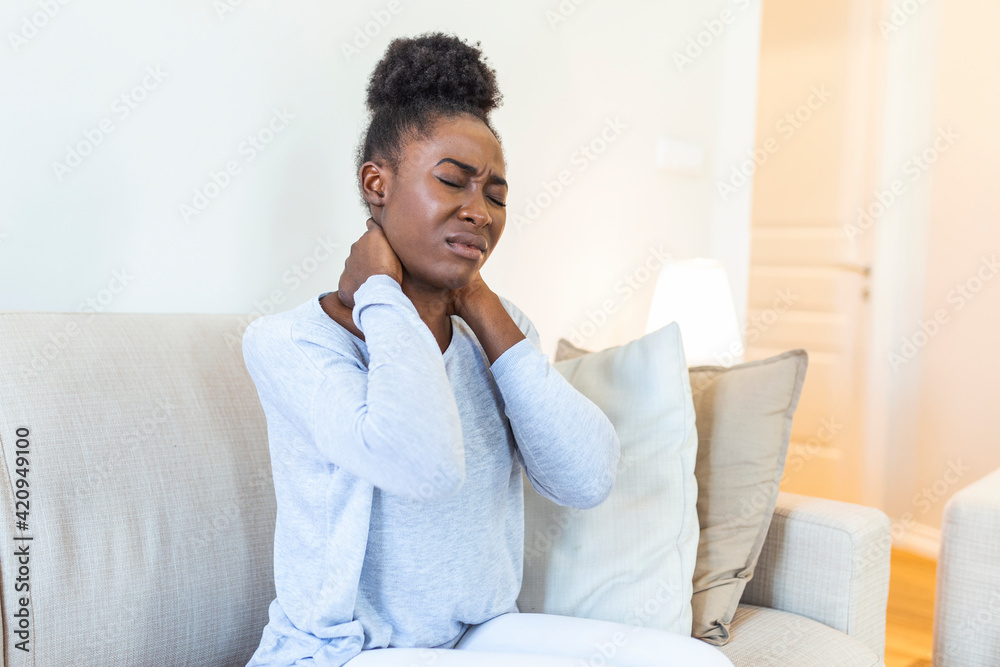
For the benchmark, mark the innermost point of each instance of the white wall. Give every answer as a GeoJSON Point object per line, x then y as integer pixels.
{"type": "Point", "coordinates": [935, 357]}
{"type": "Point", "coordinates": [110, 230]}
{"type": "Point", "coordinates": [956, 422]}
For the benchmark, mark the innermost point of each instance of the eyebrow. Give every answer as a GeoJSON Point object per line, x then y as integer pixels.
{"type": "Point", "coordinates": [469, 169]}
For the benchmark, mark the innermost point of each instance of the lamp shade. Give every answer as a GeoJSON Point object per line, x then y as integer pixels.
{"type": "Point", "coordinates": [695, 294]}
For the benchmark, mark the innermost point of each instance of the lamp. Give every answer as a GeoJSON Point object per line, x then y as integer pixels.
{"type": "Point", "coordinates": [695, 294]}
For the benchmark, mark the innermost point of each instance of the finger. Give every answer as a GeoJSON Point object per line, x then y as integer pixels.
{"type": "Point", "coordinates": [370, 223]}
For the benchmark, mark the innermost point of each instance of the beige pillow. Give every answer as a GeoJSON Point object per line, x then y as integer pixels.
{"type": "Point", "coordinates": [744, 422]}
{"type": "Point", "coordinates": [744, 416]}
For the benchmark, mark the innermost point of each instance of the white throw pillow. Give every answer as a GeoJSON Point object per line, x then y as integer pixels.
{"type": "Point", "coordinates": [631, 559]}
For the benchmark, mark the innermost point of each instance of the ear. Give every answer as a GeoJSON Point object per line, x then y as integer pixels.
{"type": "Point", "coordinates": [375, 179]}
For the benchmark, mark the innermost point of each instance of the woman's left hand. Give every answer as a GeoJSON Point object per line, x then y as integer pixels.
{"type": "Point", "coordinates": [483, 311]}
{"type": "Point", "coordinates": [465, 299]}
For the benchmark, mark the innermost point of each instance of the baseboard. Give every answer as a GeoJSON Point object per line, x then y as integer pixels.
{"type": "Point", "coordinates": [920, 539]}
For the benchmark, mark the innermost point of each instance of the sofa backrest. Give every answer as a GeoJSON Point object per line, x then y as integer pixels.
{"type": "Point", "coordinates": [143, 531]}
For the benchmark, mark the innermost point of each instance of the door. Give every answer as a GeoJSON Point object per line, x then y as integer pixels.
{"type": "Point", "coordinates": [810, 250]}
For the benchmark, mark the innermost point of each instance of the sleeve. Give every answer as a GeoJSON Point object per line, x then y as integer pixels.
{"type": "Point", "coordinates": [568, 447]}
{"type": "Point", "coordinates": [395, 423]}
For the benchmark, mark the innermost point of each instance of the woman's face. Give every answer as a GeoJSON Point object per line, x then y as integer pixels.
{"type": "Point", "coordinates": [448, 193]}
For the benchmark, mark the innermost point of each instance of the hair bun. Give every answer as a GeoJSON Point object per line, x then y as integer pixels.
{"type": "Point", "coordinates": [433, 68]}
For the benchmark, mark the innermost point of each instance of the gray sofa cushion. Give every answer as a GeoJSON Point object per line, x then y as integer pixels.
{"type": "Point", "coordinates": [763, 637]}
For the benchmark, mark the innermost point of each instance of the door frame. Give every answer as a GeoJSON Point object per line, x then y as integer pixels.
{"type": "Point", "coordinates": [903, 116]}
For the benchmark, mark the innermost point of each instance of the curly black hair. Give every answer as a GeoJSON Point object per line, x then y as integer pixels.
{"type": "Point", "coordinates": [419, 81]}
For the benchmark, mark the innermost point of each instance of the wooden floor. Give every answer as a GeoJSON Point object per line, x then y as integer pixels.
{"type": "Point", "coordinates": [910, 616]}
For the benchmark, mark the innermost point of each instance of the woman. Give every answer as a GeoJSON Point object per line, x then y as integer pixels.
{"type": "Point", "coordinates": [401, 408]}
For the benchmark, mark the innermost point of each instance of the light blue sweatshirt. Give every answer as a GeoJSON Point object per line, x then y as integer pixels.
{"type": "Point", "coordinates": [397, 473]}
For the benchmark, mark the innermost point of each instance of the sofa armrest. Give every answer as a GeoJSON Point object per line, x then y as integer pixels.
{"type": "Point", "coordinates": [828, 561]}
{"type": "Point", "coordinates": [967, 599]}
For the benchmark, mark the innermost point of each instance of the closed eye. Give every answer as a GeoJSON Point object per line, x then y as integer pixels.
{"type": "Point", "coordinates": [456, 185]}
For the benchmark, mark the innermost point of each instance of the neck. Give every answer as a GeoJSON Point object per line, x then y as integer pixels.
{"type": "Point", "coordinates": [433, 305]}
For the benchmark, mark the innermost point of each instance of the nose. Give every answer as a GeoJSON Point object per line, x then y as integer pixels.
{"type": "Point", "coordinates": [476, 211]}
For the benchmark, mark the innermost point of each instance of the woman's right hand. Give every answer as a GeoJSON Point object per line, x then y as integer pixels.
{"type": "Point", "coordinates": [370, 254]}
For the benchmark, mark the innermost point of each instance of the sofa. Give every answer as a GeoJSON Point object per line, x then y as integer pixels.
{"type": "Point", "coordinates": [138, 510]}
{"type": "Point", "coordinates": [967, 597]}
